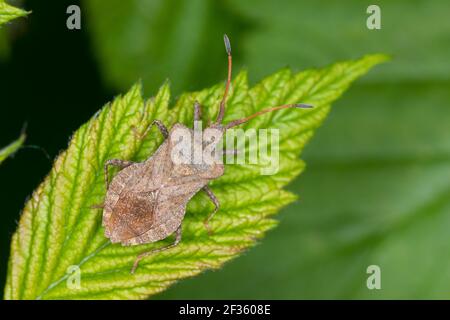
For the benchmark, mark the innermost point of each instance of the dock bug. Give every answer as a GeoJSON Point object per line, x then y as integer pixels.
{"type": "Point", "coordinates": [146, 201]}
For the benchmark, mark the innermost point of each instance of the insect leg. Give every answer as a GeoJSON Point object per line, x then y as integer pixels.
{"type": "Point", "coordinates": [115, 162]}
{"type": "Point", "coordinates": [197, 111]}
{"type": "Point", "coordinates": [214, 199]}
{"type": "Point", "coordinates": [145, 254]}
{"type": "Point", "coordinates": [97, 206]}
{"type": "Point", "coordinates": [159, 124]}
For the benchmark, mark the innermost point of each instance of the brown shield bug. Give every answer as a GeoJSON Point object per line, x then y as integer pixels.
{"type": "Point", "coordinates": [146, 201]}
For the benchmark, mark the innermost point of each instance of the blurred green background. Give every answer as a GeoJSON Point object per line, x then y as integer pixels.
{"type": "Point", "coordinates": [376, 190]}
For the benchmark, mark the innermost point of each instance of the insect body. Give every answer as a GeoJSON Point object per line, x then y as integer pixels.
{"type": "Point", "coordinates": [146, 202]}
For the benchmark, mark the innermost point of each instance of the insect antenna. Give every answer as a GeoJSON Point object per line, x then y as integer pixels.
{"type": "Point", "coordinates": [221, 113]}
{"type": "Point", "coordinates": [285, 106]}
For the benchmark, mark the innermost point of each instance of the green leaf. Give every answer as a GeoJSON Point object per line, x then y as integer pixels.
{"type": "Point", "coordinates": [11, 148]}
{"type": "Point", "coordinates": [8, 13]}
{"type": "Point", "coordinates": [59, 230]}
{"type": "Point", "coordinates": [382, 155]}
{"type": "Point", "coordinates": [376, 192]}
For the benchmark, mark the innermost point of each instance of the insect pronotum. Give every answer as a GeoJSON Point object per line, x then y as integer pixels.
{"type": "Point", "coordinates": [146, 201]}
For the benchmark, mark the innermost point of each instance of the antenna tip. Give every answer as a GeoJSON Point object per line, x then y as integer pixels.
{"type": "Point", "coordinates": [226, 40]}
{"type": "Point", "coordinates": [303, 106]}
